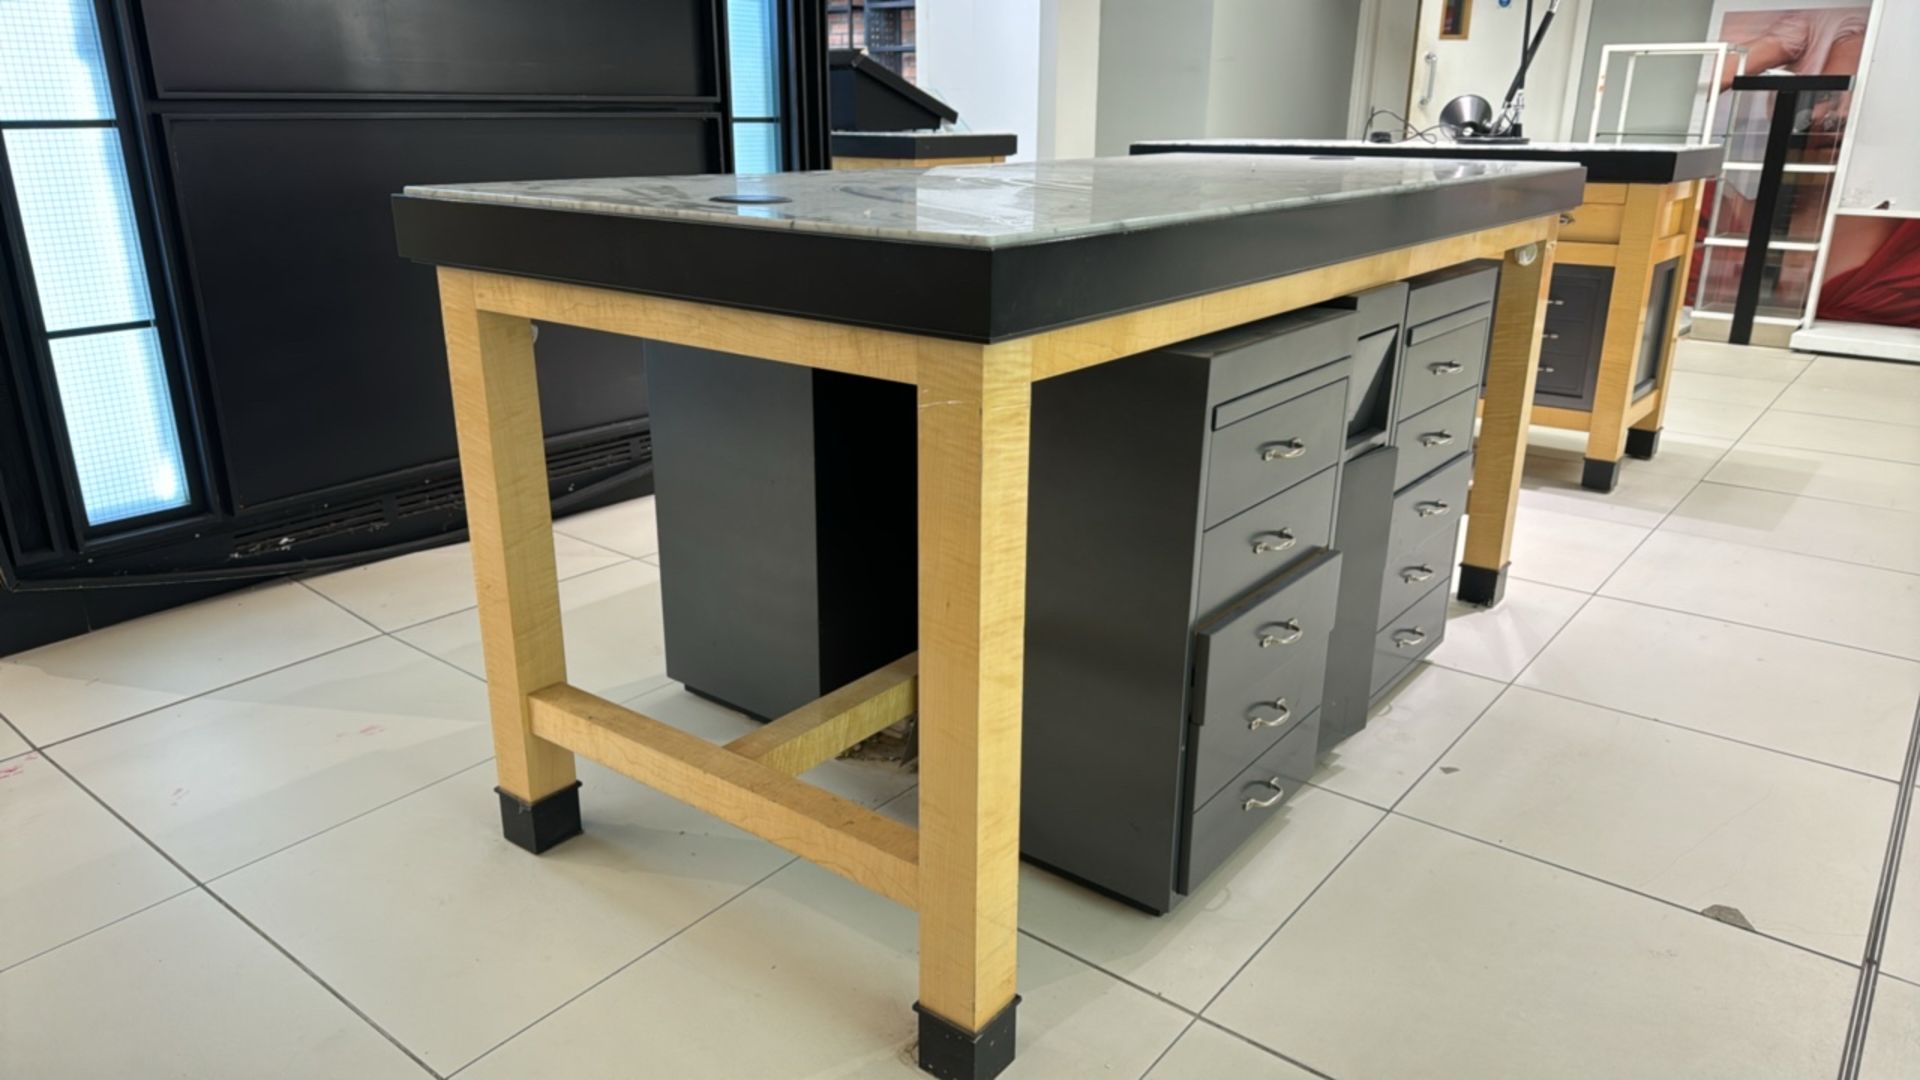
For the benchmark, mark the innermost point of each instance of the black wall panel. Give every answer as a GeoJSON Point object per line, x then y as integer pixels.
{"type": "Point", "coordinates": [481, 48]}
{"type": "Point", "coordinates": [321, 347]}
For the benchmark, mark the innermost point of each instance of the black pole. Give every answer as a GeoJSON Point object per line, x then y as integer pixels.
{"type": "Point", "coordinates": [1760, 231]}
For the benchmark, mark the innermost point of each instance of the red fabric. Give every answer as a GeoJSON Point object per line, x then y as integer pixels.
{"type": "Point", "coordinates": [1885, 289]}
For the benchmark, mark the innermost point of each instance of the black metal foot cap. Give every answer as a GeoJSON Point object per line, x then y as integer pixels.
{"type": "Point", "coordinates": [1601, 476]}
{"type": "Point", "coordinates": [952, 1054]}
{"type": "Point", "coordinates": [1642, 444]}
{"type": "Point", "coordinates": [544, 824]}
{"type": "Point", "coordinates": [1481, 586]}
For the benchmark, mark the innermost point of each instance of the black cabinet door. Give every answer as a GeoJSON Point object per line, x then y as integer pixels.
{"type": "Point", "coordinates": [321, 347]}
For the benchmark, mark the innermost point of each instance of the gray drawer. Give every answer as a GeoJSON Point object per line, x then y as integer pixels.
{"type": "Point", "coordinates": [1412, 572]}
{"type": "Point", "coordinates": [1409, 636]}
{"type": "Point", "coordinates": [1254, 797]}
{"type": "Point", "coordinates": [1434, 437]}
{"type": "Point", "coordinates": [1277, 447]}
{"type": "Point", "coordinates": [1287, 618]}
{"type": "Point", "coordinates": [1233, 728]}
{"type": "Point", "coordinates": [1433, 504]}
{"type": "Point", "coordinates": [1444, 292]}
{"type": "Point", "coordinates": [1237, 553]}
{"type": "Point", "coordinates": [1246, 358]}
{"type": "Point", "coordinates": [1445, 357]}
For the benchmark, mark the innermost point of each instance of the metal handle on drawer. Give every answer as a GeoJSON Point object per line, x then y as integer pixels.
{"type": "Point", "coordinates": [1416, 573]}
{"type": "Point", "coordinates": [1551, 302]}
{"type": "Point", "coordinates": [1293, 633]}
{"type": "Point", "coordinates": [1546, 369]}
{"type": "Point", "coordinates": [1436, 438]}
{"type": "Point", "coordinates": [1549, 336]}
{"type": "Point", "coordinates": [1282, 540]}
{"type": "Point", "coordinates": [1566, 218]}
{"type": "Point", "coordinates": [1447, 367]}
{"type": "Point", "coordinates": [1271, 800]}
{"type": "Point", "coordinates": [1281, 716]}
{"type": "Point", "coordinates": [1285, 448]}
{"type": "Point", "coordinates": [1413, 637]}
{"type": "Point", "coordinates": [1431, 509]}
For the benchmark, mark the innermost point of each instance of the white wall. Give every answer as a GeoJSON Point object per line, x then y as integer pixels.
{"type": "Point", "coordinates": [1664, 87]}
{"type": "Point", "coordinates": [983, 58]}
{"type": "Point", "coordinates": [1069, 77]}
{"type": "Point", "coordinates": [1074, 78]}
{"type": "Point", "coordinates": [1156, 57]}
{"type": "Point", "coordinates": [1182, 68]}
{"type": "Point", "coordinates": [1281, 68]}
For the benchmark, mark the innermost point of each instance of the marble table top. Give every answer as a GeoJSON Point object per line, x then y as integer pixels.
{"type": "Point", "coordinates": [1005, 205]}
{"type": "Point", "coordinates": [1605, 162]}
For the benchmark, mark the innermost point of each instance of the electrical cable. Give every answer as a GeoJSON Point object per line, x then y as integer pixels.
{"type": "Point", "coordinates": [1408, 132]}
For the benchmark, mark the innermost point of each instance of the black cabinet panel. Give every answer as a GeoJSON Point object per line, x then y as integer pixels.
{"type": "Point", "coordinates": [1574, 332]}
{"type": "Point", "coordinates": [1653, 335]}
{"type": "Point", "coordinates": [492, 48]}
{"type": "Point", "coordinates": [322, 348]}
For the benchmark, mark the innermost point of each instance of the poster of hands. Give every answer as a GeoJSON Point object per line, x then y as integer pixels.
{"type": "Point", "coordinates": [1872, 271]}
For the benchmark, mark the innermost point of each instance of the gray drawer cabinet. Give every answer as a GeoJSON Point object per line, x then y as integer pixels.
{"type": "Point", "coordinates": [1217, 538]}
{"type": "Point", "coordinates": [1434, 467]}
{"type": "Point", "coordinates": [1179, 586]}
{"type": "Point", "coordinates": [1259, 669]}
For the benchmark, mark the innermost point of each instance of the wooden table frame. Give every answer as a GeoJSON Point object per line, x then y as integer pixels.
{"type": "Point", "coordinates": [1632, 228]}
{"type": "Point", "coordinates": [960, 869]}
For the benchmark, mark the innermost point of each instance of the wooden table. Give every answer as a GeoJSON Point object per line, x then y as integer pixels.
{"type": "Point", "coordinates": [1002, 276]}
{"type": "Point", "coordinates": [1637, 222]}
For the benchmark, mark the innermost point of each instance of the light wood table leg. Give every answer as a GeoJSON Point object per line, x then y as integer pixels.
{"type": "Point", "coordinates": [975, 410]}
{"type": "Point", "coordinates": [1643, 438]}
{"type": "Point", "coordinates": [503, 464]}
{"type": "Point", "coordinates": [1500, 454]}
{"type": "Point", "coordinates": [1626, 324]}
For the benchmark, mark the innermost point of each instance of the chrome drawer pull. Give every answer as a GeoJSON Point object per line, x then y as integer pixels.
{"type": "Point", "coordinates": [1271, 800]}
{"type": "Point", "coordinates": [1293, 633]}
{"type": "Point", "coordinates": [1549, 336]}
{"type": "Point", "coordinates": [1431, 509]}
{"type": "Point", "coordinates": [1285, 448]}
{"type": "Point", "coordinates": [1545, 370]}
{"type": "Point", "coordinates": [1436, 438]}
{"type": "Point", "coordinates": [1412, 637]}
{"type": "Point", "coordinates": [1447, 367]}
{"type": "Point", "coordinates": [1281, 716]}
{"type": "Point", "coordinates": [1556, 303]}
{"type": "Point", "coordinates": [1416, 573]}
{"type": "Point", "coordinates": [1283, 539]}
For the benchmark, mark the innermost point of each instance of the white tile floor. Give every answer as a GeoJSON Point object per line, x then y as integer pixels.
{"type": "Point", "coordinates": [255, 837]}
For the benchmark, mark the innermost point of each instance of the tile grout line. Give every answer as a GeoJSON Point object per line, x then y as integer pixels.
{"type": "Point", "coordinates": [1861, 1016]}
{"type": "Point", "coordinates": [619, 558]}
{"type": "Point", "coordinates": [248, 923]}
{"type": "Point", "coordinates": [1757, 626]}
{"type": "Point", "coordinates": [1598, 880]}
{"type": "Point", "coordinates": [1837, 416]}
{"type": "Point", "coordinates": [603, 980]}
{"type": "Point", "coordinates": [1711, 734]}
{"type": "Point", "coordinates": [63, 740]}
{"type": "Point", "coordinates": [115, 921]}
{"type": "Point", "coordinates": [657, 946]}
